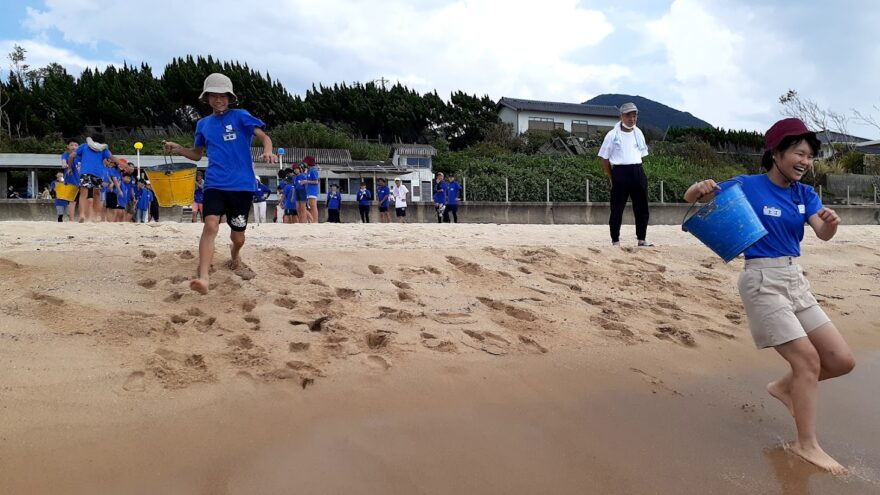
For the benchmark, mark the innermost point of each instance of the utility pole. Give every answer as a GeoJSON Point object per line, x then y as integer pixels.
{"type": "Point", "coordinates": [382, 81]}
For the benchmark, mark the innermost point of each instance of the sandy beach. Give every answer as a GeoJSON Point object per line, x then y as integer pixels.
{"type": "Point", "coordinates": [403, 359]}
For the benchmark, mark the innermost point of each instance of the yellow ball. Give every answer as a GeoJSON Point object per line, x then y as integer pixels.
{"type": "Point", "coordinates": [138, 145]}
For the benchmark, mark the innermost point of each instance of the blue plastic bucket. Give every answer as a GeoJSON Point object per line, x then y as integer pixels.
{"type": "Point", "coordinates": [727, 225]}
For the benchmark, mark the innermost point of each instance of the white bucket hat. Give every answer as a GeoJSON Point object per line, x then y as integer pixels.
{"type": "Point", "coordinates": [217, 83]}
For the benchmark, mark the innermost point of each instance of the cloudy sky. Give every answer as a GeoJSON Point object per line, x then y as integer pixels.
{"type": "Point", "coordinates": [725, 62]}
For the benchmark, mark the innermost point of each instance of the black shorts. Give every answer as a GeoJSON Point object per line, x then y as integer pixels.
{"type": "Point", "coordinates": [110, 200]}
{"type": "Point", "coordinates": [383, 209]}
{"type": "Point", "coordinates": [401, 212]}
{"type": "Point", "coordinates": [236, 205]}
{"type": "Point", "coordinates": [288, 211]}
{"type": "Point", "coordinates": [301, 196]}
{"type": "Point", "coordinates": [89, 181]}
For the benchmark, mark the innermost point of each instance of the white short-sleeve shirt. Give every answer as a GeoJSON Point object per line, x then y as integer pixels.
{"type": "Point", "coordinates": [626, 152]}
{"type": "Point", "coordinates": [400, 196]}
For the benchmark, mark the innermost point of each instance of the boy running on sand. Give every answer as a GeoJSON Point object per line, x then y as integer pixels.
{"type": "Point", "coordinates": [229, 180]}
{"type": "Point", "coordinates": [91, 156]}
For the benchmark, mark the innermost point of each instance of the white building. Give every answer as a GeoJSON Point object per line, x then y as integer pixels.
{"type": "Point", "coordinates": [576, 118]}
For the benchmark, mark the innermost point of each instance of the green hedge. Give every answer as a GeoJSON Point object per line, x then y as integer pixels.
{"type": "Point", "coordinates": [527, 175]}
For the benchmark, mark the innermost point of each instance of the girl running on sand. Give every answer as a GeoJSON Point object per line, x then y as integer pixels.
{"type": "Point", "coordinates": [782, 311]}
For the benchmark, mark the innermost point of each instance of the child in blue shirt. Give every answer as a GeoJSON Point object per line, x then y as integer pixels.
{"type": "Point", "coordinates": [61, 205]}
{"type": "Point", "coordinates": [439, 196]}
{"type": "Point", "coordinates": [91, 157]}
{"type": "Point", "coordinates": [261, 193]}
{"type": "Point", "coordinates": [313, 184]}
{"type": "Point", "coordinates": [302, 199]}
{"type": "Point", "coordinates": [334, 203]}
{"type": "Point", "coordinates": [123, 198]}
{"type": "Point", "coordinates": [364, 199]}
{"type": "Point", "coordinates": [226, 135]}
{"type": "Point", "coordinates": [145, 198]}
{"type": "Point", "coordinates": [452, 190]}
{"type": "Point", "coordinates": [290, 202]}
{"type": "Point", "coordinates": [781, 309]}
{"type": "Point", "coordinates": [198, 198]}
{"type": "Point", "coordinates": [383, 193]}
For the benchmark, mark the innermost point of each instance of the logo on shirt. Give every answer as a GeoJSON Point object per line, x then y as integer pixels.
{"type": "Point", "coordinates": [772, 211]}
{"type": "Point", "coordinates": [229, 133]}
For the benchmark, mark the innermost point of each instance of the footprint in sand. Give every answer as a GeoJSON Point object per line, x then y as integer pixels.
{"type": "Point", "coordinates": [401, 285]}
{"type": "Point", "coordinates": [377, 270]}
{"type": "Point", "coordinates": [488, 342]}
{"type": "Point", "coordinates": [524, 270]}
{"type": "Point", "coordinates": [378, 363]}
{"type": "Point", "coordinates": [148, 254]}
{"type": "Point", "coordinates": [244, 272]}
{"type": "Point", "coordinates": [669, 333]}
{"type": "Point", "coordinates": [285, 302]}
{"type": "Point", "coordinates": [248, 306]}
{"type": "Point", "coordinates": [174, 297]}
{"type": "Point", "coordinates": [405, 296]}
{"type": "Point", "coordinates": [378, 340]}
{"type": "Point", "coordinates": [512, 311]}
{"type": "Point", "coordinates": [431, 341]}
{"type": "Point", "coordinates": [136, 382]}
{"type": "Point", "coordinates": [147, 283]}
{"type": "Point", "coordinates": [9, 264]}
{"type": "Point", "coordinates": [178, 319]}
{"type": "Point", "coordinates": [532, 344]}
{"type": "Point", "coordinates": [185, 254]}
{"type": "Point", "coordinates": [299, 346]}
{"type": "Point", "coordinates": [195, 312]}
{"type": "Point", "coordinates": [465, 266]}
{"type": "Point", "coordinates": [344, 293]}
{"type": "Point", "coordinates": [46, 298]}
{"type": "Point", "coordinates": [314, 326]}
{"type": "Point", "coordinates": [252, 319]}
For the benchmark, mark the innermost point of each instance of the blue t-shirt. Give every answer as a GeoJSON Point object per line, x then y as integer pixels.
{"type": "Point", "coordinates": [298, 182]}
{"type": "Point", "coordinates": [440, 193]}
{"type": "Point", "coordinates": [72, 171]}
{"type": "Point", "coordinates": [227, 139]}
{"type": "Point", "coordinates": [334, 201]}
{"type": "Point", "coordinates": [127, 191]}
{"type": "Point", "coordinates": [58, 202]}
{"type": "Point", "coordinates": [313, 189]}
{"type": "Point", "coordinates": [289, 197]}
{"type": "Point", "coordinates": [782, 210]}
{"type": "Point", "coordinates": [364, 197]}
{"type": "Point", "coordinates": [199, 193]}
{"type": "Point", "coordinates": [452, 189]}
{"type": "Point", "coordinates": [91, 162]}
{"type": "Point", "coordinates": [113, 172]}
{"type": "Point", "coordinates": [146, 197]}
{"type": "Point", "coordinates": [261, 192]}
{"type": "Point", "coordinates": [383, 192]}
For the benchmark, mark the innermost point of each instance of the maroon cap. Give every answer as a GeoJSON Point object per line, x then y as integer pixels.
{"type": "Point", "coordinates": [783, 129]}
{"type": "Point", "coordinates": [309, 160]}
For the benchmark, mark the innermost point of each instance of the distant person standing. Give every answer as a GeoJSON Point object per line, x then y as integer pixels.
{"type": "Point", "coordinates": [198, 198]}
{"type": "Point", "coordinates": [399, 192]}
{"type": "Point", "coordinates": [452, 190]}
{"type": "Point", "coordinates": [313, 186]}
{"type": "Point", "coordinates": [302, 200]}
{"type": "Point", "coordinates": [261, 194]}
{"type": "Point", "coordinates": [622, 152]}
{"type": "Point", "coordinates": [334, 203]}
{"type": "Point", "coordinates": [71, 174]}
{"type": "Point", "coordinates": [383, 194]}
{"type": "Point", "coordinates": [439, 196]}
{"type": "Point", "coordinates": [365, 200]}
{"type": "Point", "coordinates": [61, 205]}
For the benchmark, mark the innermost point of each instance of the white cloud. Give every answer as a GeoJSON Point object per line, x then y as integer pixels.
{"type": "Point", "coordinates": [495, 47]}
{"type": "Point", "coordinates": [39, 54]}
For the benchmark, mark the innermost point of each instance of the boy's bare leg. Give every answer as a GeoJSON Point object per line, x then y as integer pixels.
{"type": "Point", "coordinates": [313, 202]}
{"type": "Point", "coordinates": [237, 239]}
{"type": "Point", "coordinates": [206, 254]}
{"type": "Point", "coordinates": [85, 207]}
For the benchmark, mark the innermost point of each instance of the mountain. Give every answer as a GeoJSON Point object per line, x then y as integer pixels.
{"type": "Point", "coordinates": [651, 113]}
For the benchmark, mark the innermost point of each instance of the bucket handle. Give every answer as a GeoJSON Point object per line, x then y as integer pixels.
{"type": "Point", "coordinates": [688, 212]}
{"type": "Point", "coordinates": [165, 157]}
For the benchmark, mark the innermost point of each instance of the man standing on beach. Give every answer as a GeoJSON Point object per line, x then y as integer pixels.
{"type": "Point", "coordinates": [622, 152]}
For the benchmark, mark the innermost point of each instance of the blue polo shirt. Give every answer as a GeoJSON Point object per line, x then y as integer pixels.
{"type": "Point", "coordinates": [452, 190]}
{"type": "Point", "coordinates": [440, 193]}
{"type": "Point", "coordinates": [382, 193]}
{"type": "Point", "coordinates": [334, 201]}
{"type": "Point", "coordinates": [199, 193]}
{"type": "Point", "coordinates": [782, 210]}
{"type": "Point", "coordinates": [313, 189]}
{"type": "Point", "coordinates": [144, 199]}
{"type": "Point", "coordinates": [91, 162]}
{"type": "Point", "coordinates": [365, 198]}
{"type": "Point", "coordinates": [227, 140]}
{"type": "Point", "coordinates": [261, 192]}
{"type": "Point", "coordinates": [297, 182]}
{"type": "Point", "coordinates": [289, 197]}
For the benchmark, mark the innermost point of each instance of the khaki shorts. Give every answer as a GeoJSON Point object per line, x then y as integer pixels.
{"type": "Point", "coordinates": [778, 301]}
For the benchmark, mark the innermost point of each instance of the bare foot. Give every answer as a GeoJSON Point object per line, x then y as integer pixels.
{"type": "Point", "coordinates": [781, 394]}
{"type": "Point", "coordinates": [199, 285]}
{"type": "Point", "coordinates": [233, 263]}
{"type": "Point", "coordinates": [816, 456]}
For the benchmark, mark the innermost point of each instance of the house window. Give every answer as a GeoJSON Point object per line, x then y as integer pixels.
{"type": "Point", "coordinates": [429, 192]}
{"type": "Point", "coordinates": [416, 162]}
{"type": "Point", "coordinates": [541, 124]}
{"type": "Point", "coordinates": [341, 185]}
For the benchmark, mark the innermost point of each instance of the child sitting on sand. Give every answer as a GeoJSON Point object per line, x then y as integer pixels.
{"type": "Point", "coordinates": [229, 179]}
{"type": "Point", "coordinates": [782, 311]}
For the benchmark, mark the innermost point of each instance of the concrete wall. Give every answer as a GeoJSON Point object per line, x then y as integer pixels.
{"type": "Point", "coordinates": [470, 212]}
{"type": "Point", "coordinates": [520, 120]}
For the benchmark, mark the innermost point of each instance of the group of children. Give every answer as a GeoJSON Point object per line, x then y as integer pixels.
{"type": "Point", "coordinates": [108, 189]}
{"type": "Point", "coordinates": [446, 197]}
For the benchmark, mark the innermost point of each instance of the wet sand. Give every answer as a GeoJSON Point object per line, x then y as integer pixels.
{"type": "Point", "coordinates": [613, 388]}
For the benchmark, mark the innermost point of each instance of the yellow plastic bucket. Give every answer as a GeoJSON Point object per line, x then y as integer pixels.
{"type": "Point", "coordinates": [173, 183]}
{"type": "Point", "coordinates": [66, 192]}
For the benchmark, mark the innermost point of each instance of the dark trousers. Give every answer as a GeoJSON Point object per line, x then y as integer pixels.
{"type": "Point", "coordinates": [629, 181]}
{"type": "Point", "coordinates": [450, 209]}
{"type": "Point", "coordinates": [333, 216]}
{"type": "Point", "coordinates": [365, 213]}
